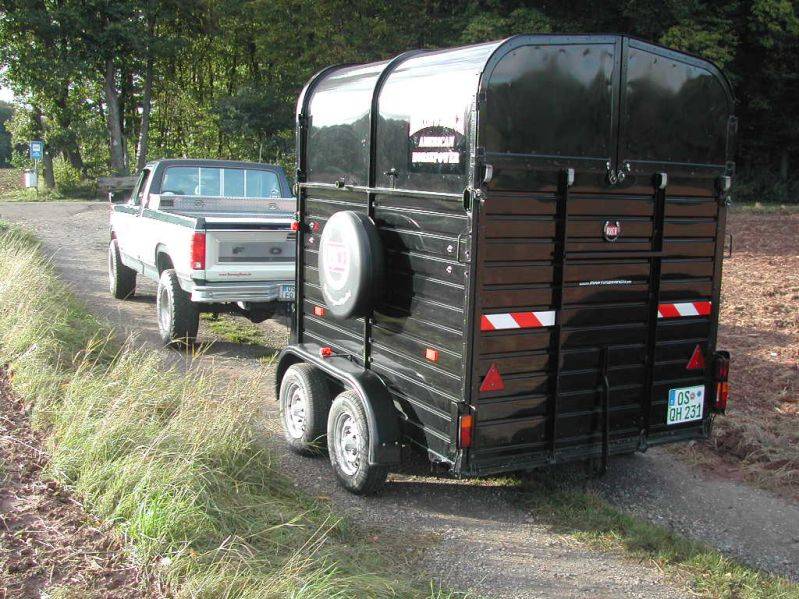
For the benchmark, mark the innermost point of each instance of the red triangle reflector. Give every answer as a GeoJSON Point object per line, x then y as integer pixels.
{"type": "Point", "coordinates": [492, 380]}
{"type": "Point", "coordinates": [697, 361]}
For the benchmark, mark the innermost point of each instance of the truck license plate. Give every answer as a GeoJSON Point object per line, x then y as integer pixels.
{"type": "Point", "coordinates": [685, 404]}
{"type": "Point", "coordinates": [286, 292]}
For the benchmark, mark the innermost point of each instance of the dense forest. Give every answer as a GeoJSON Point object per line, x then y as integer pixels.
{"type": "Point", "coordinates": [108, 84]}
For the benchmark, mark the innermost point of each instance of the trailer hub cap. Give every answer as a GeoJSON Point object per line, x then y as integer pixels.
{"type": "Point", "coordinates": [348, 439]}
{"type": "Point", "coordinates": [295, 413]}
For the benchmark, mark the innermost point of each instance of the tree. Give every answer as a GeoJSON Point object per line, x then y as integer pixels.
{"type": "Point", "coordinates": [6, 112]}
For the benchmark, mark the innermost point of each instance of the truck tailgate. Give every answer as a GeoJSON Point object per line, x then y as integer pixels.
{"type": "Point", "coordinates": [257, 250]}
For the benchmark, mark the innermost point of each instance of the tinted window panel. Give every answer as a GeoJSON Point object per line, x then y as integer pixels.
{"type": "Point", "coordinates": [673, 111]}
{"type": "Point", "coordinates": [552, 101]}
{"type": "Point", "coordinates": [425, 118]}
{"type": "Point", "coordinates": [338, 138]}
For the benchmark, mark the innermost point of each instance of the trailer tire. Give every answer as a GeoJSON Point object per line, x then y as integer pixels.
{"type": "Point", "coordinates": [351, 265]}
{"type": "Point", "coordinates": [121, 279]}
{"type": "Point", "coordinates": [348, 438]}
{"type": "Point", "coordinates": [305, 399]}
{"type": "Point", "coordinates": [178, 317]}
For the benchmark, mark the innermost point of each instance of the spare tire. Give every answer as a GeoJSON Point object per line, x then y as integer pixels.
{"type": "Point", "coordinates": [350, 265]}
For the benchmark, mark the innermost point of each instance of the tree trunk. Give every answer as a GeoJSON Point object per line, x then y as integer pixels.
{"type": "Point", "coordinates": [784, 165]}
{"type": "Point", "coordinates": [47, 168]}
{"type": "Point", "coordinates": [144, 132]}
{"type": "Point", "coordinates": [69, 144]}
{"type": "Point", "coordinates": [114, 120]}
{"type": "Point", "coordinates": [47, 158]}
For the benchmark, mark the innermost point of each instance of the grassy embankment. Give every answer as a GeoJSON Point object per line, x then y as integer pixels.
{"type": "Point", "coordinates": [170, 458]}
{"type": "Point", "coordinates": [11, 189]}
{"type": "Point", "coordinates": [702, 569]}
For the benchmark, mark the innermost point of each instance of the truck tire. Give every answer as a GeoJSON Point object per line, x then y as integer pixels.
{"type": "Point", "coordinates": [351, 265]}
{"type": "Point", "coordinates": [305, 399]}
{"type": "Point", "coordinates": [178, 317]}
{"type": "Point", "coordinates": [121, 279]}
{"type": "Point", "coordinates": [348, 446]}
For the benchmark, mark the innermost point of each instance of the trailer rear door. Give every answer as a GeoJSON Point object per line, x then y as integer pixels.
{"type": "Point", "coordinates": [593, 296]}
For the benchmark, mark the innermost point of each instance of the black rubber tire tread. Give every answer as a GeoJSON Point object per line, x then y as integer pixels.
{"type": "Point", "coordinates": [122, 280]}
{"type": "Point", "coordinates": [185, 320]}
{"type": "Point", "coordinates": [369, 478]}
{"type": "Point", "coordinates": [319, 397]}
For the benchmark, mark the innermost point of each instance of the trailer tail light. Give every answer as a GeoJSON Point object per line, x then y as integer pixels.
{"type": "Point", "coordinates": [326, 352]}
{"type": "Point", "coordinates": [431, 354]}
{"type": "Point", "coordinates": [465, 431]}
{"type": "Point", "coordinates": [198, 251]}
{"type": "Point", "coordinates": [319, 311]}
{"type": "Point", "coordinates": [721, 374]}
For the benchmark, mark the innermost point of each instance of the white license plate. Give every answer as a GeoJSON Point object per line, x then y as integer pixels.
{"type": "Point", "coordinates": [685, 404]}
{"type": "Point", "coordinates": [286, 292]}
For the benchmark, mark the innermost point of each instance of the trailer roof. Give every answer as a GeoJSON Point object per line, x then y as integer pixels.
{"type": "Point", "coordinates": [427, 97]}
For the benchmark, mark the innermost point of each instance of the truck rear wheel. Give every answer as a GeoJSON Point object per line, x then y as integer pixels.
{"type": "Point", "coordinates": [305, 399]}
{"type": "Point", "coordinates": [178, 317]}
{"type": "Point", "coordinates": [348, 445]}
{"type": "Point", "coordinates": [121, 279]}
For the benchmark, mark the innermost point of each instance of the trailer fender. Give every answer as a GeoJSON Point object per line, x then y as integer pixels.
{"type": "Point", "coordinates": [385, 439]}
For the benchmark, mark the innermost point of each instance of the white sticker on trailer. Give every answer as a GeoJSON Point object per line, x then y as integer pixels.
{"type": "Point", "coordinates": [436, 157]}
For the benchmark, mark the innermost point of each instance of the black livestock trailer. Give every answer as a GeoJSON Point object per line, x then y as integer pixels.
{"type": "Point", "coordinates": [509, 255]}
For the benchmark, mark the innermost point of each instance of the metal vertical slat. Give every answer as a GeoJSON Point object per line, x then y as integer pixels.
{"type": "Point", "coordinates": [656, 260]}
{"type": "Point", "coordinates": [558, 278]}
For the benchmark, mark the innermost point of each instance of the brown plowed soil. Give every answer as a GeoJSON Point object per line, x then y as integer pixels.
{"type": "Point", "coordinates": [758, 439]}
{"type": "Point", "coordinates": [48, 544]}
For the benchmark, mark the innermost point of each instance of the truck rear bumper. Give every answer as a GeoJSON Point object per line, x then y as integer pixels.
{"type": "Point", "coordinates": [269, 291]}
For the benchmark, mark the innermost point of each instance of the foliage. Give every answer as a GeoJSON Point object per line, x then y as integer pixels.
{"type": "Point", "coordinates": [226, 74]}
{"type": "Point", "coordinates": [171, 458]}
{"type": "Point", "coordinates": [69, 181]}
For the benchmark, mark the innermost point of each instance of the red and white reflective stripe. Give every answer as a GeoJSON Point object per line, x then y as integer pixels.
{"type": "Point", "coordinates": [517, 320]}
{"type": "Point", "coordinates": [684, 309]}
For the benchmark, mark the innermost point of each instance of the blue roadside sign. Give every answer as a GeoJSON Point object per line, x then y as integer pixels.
{"type": "Point", "coordinates": [37, 150]}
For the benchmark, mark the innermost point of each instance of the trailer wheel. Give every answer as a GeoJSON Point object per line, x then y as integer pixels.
{"type": "Point", "coordinates": [351, 271]}
{"type": "Point", "coordinates": [178, 317]}
{"type": "Point", "coordinates": [121, 279]}
{"type": "Point", "coordinates": [348, 445]}
{"type": "Point", "coordinates": [305, 399]}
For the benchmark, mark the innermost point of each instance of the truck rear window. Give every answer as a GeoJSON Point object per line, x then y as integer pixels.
{"type": "Point", "coordinates": [220, 182]}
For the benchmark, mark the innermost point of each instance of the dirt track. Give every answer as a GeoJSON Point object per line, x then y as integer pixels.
{"type": "Point", "coordinates": [475, 530]}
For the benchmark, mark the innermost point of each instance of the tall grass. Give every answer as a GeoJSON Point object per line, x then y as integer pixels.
{"type": "Point", "coordinates": [170, 457]}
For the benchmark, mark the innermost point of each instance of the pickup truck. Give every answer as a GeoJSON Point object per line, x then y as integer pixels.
{"type": "Point", "coordinates": [215, 235]}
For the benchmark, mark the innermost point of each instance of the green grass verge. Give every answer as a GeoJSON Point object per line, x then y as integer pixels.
{"type": "Point", "coordinates": [235, 330]}
{"type": "Point", "coordinates": [171, 457]}
{"type": "Point", "coordinates": [704, 570]}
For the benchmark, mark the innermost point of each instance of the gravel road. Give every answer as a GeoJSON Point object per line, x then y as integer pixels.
{"type": "Point", "coordinates": [476, 537]}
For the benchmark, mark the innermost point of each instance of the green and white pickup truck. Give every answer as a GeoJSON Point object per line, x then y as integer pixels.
{"type": "Point", "coordinates": [216, 236]}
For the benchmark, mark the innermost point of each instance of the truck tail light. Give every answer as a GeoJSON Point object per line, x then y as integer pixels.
{"type": "Point", "coordinates": [198, 251]}
{"type": "Point", "coordinates": [465, 431]}
{"type": "Point", "coordinates": [721, 373]}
